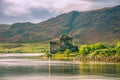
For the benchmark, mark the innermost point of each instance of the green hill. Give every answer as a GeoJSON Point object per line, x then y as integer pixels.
{"type": "Point", "coordinates": [86, 27]}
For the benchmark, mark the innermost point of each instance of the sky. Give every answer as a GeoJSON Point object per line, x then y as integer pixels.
{"type": "Point", "coordinates": [35, 11]}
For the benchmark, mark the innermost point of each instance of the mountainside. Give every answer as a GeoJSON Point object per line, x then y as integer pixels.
{"type": "Point", "coordinates": [4, 27]}
{"type": "Point", "coordinates": [86, 27]}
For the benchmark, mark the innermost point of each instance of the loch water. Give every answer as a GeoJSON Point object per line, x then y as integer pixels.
{"type": "Point", "coordinates": [22, 67]}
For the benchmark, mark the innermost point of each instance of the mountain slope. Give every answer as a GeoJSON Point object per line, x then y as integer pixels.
{"type": "Point", "coordinates": [86, 27]}
{"type": "Point", "coordinates": [4, 27]}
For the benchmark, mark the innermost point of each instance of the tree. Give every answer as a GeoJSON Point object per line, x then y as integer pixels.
{"type": "Point", "coordinates": [117, 47]}
{"type": "Point", "coordinates": [84, 50]}
{"type": "Point", "coordinates": [67, 52]}
{"type": "Point", "coordinates": [97, 46]}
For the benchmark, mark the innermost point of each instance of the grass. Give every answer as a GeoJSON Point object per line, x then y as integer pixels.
{"type": "Point", "coordinates": [63, 56]}
{"type": "Point", "coordinates": [24, 48]}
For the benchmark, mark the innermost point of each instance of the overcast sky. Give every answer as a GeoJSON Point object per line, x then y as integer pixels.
{"type": "Point", "coordinates": [12, 11]}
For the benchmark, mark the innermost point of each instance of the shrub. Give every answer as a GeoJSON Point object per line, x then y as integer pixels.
{"type": "Point", "coordinates": [118, 47]}
{"type": "Point", "coordinates": [84, 50]}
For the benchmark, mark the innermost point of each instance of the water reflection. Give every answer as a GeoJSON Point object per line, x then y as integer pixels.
{"type": "Point", "coordinates": [37, 69]}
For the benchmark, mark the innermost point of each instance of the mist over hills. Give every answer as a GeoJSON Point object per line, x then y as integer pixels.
{"type": "Point", "coordinates": [86, 27]}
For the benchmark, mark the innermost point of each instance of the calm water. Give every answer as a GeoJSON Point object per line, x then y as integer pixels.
{"type": "Point", "coordinates": [19, 68]}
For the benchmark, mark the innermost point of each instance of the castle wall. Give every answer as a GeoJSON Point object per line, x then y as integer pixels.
{"type": "Point", "coordinates": [63, 43]}
{"type": "Point", "coordinates": [54, 47]}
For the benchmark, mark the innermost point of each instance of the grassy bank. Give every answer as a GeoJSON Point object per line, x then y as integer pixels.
{"type": "Point", "coordinates": [24, 48]}
{"type": "Point", "coordinates": [63, 56]}
{"type": "Point", "coordinates": [74, 57]}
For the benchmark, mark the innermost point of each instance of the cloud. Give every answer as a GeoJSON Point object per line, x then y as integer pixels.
{"type": "Point", "coordinates": [23, 7]}
{"type": "Point", "coordinates": [35, 10]}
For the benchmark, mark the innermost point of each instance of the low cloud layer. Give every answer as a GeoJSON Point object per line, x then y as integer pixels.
{"type": "Point", "coordinates": [12, 11]}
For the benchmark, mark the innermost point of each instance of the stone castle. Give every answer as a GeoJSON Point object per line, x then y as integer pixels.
{"type": "Point", "coordinates": [64, 42]}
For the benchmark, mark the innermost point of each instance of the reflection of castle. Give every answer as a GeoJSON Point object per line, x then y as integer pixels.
{"type": "Point", "coordinates": [65, 42]}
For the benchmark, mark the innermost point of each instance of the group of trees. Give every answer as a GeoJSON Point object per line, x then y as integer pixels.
{"type": "Point", "coordinates": [100, 51]}
{"type": "Point", "coordinates": [84, 50]}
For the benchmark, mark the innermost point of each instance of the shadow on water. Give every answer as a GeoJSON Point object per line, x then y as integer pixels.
{"type": "Point", "coordinates": [27, 69]}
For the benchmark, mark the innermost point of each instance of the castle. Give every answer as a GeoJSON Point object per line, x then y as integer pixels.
{"type": "Point", "coordinates": [64, 42]}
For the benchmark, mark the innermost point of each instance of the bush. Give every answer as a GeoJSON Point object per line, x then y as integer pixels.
{"type": "Point", "coordinates": [118, 47]}
{"type": "Point", "coordinates": [97, 46]}
{"type": "Point", "coordinates": [84, 50]}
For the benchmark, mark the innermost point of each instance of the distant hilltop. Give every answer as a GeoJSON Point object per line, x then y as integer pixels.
{"type": "Point", "coordinates": [102, 25]}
